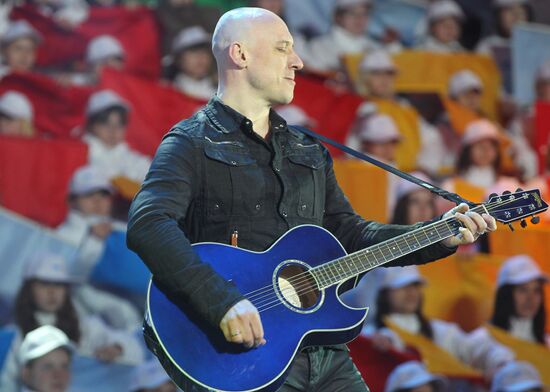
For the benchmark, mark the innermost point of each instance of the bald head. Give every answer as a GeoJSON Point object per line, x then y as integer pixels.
{"type": "Point", "coordinates": [237, 25]}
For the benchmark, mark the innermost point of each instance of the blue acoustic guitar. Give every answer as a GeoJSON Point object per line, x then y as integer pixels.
{"type": "Point", "coordinates": [295, 285]}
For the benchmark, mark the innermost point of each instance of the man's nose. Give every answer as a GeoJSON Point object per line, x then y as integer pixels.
{"type": "Point", "coordinates": [296, 62]}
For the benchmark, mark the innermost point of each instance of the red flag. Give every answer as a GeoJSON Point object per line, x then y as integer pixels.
{"type": "Point", "coordinates": [57, 109]}
{"type": "Point", "coordinates": [136, 29]}
{"type": "Point", "coordinates": [334, 113]}
{"type": "Point", "coordinates": [34, 176]}
{"type": "Point", "coordinates": [155, 108]}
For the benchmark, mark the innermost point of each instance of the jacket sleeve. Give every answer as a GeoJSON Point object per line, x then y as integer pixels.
{"type": "Point", "coordinates": [154, 233]}
{"type": "Point", "coordinates": [355, 233]}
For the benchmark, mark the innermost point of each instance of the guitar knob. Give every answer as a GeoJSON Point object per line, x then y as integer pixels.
{"type": "Point", "coordinates": [523, 223]}
{"type": "Point", "coordinates": [535, 220]}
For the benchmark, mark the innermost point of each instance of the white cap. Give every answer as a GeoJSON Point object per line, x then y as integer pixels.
{"type": "Point", "coordinates": [148, 375]}
{"type": "Point", "coordinates": [16, 105]}
{"type": "Point", "coordinates": [378, 128]}
{"type": "Point", "coordinates": [519, 269]}
{"type": "Point", "coordinates": [543, 72]}
{"type": "Point", "coordinates": [41, 341]}
{"type": "Point", "coordinates": [444, 9]}
{"type": "Point", "coordinates": [379, 60]}
{"type": "Point", "coordinates": [478, 130]}
{"type": "Point", "coordinates": [516, 376]}
{"type": "Point", "coordinates": [410, 375]}
{"type": "Point", "coordinates": [103, 47]}
{"type": "Point", "coordinates": [405, 187]}
{"type": "Point", "coordinates": [105, 99]}
{"type": "Point", "coordinates": [508, 3]}
{"type": "Point", "coordinates": [88, 179]}
{"type": "Point", "coordinates": [20, 29]}
{"type": "Point", "coordinates": [49, 267]}
{"type": "Point", "coordinates": [397, 277]}
{"type": "Point", "coordinates": [294, 115]}
{"type": "Point", "coordinates": [190, 36]}
{"type": "Point", "coordinates": [463, 81]}
{"type": "Point", "coordinates": [351, 3]}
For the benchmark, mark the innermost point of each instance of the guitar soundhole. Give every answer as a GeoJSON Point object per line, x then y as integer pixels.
{"type": "Point", "coordinates": [298, 287]}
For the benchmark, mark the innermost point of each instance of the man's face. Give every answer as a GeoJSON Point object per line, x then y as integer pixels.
{"type": "Point", "coordinates": [446, 30]}
{"type": "Point", "coordinates": [20, 55]}
{"type": "Point", "coordinates": [97, 203]}
{"type": "Point", "coordinates": [273, 63]}
{"type": "Point", "coordinates": [49, 373]}
{"type": "Point", "coordinates": [196, 62]}
{"type": "Point", "coordinates": [471, 99]}
{"type": "Point", "coordinates": [354, 19]}
{"type": "Point", "coordinates": [381, 84]}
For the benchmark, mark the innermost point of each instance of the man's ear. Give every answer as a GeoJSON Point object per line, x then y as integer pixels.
{"type": "Point", "coordinates": [238, 55]}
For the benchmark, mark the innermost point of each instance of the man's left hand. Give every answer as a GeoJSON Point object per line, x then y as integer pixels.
{"type": "Point", "coordinates": [474, 225]}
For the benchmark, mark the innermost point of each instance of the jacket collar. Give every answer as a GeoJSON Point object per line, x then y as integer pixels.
{"type": "Point", "coordinates": [228, 120]}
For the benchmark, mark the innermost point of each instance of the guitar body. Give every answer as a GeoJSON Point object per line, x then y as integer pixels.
{"type": "Point", "coordinates": [292, 318]}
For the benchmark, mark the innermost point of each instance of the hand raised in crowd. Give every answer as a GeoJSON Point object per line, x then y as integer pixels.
{"type": "Point", "coordinates": [474, 225]}
{"type": "Point", "coordinates": [242, 324]}
{"type": "Point", "coordinates": [108, 353]}
{"type": "Point", "coordinates": [101, 230]}
{"type": "Point", "coordinates": [381, 342]}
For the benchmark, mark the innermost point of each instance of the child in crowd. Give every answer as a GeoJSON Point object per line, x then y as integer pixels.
{"type": "Point", "coordinates": [106, 125]}
{"type": "Point", "coordinates": [45, 359]}
{"type": "Point", "coordinates": [192, 65]}
{"type": "Point", "coordinates": [19, 48]}
{"type": "Point", "coordinates": [444, 27]}
{"type": "Point", "coordinates": [412, 376]}
{"type": "Point", "coordinates": [45, 298]}
{"type": "Point", "coordinates": [16, 115]}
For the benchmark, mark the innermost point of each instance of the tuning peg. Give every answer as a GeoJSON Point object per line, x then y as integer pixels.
{"type": "Point", "coordinates": [506, 192]}
{"type": "Point", "coordinates": [535, 220]}
{"type": "Point", "coordinates": [519, 190]}
{"type": "Point", "coordinates": [511, 227]}
{"type": "Point", "coordinates": [523, 223]}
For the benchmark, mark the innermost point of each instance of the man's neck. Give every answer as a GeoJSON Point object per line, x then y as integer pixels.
{"type": "Point", "coordinates": [255, 110]}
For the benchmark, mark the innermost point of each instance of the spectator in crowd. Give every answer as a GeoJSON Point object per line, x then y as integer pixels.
{"type": "Point", "coordinates": [16, 115]}
{"type": "Point", "coordinates": [102, 51]}
{"type": "Point", "coordinates": [399, 301]}
{"type": "Point", "coordinates": [412, 376]}
{"type": "Point", "coordinates": [479, 160]}
{"type": "Point", "coordinates": [347, 36]}
{"type": "Point", "coordinates": [175, 15]}
{"type": "Point", "coordinates": [294, 115]}
{"type": "Point", "coordinates": [444, 27]}
{"type": "Point", "coordinates": [192, 65]}
{"type": "Point", "coordinates": [151, 377]}
{"type": "Point", "coordinates": [517, 376]}
{"type": "Point", "coordinates": [466, 89]}
{"type": "Point", "coordinates": [45, 298]}
{"type": "Point", "coordinates": [378, 136]}
{"type": "Point", "coordinates": [498, 46]}
{"type": "Point", "coordinates": [519, 302]}
{"type": "Point", "coordinates": [413, 203]}
{"type": "Point", "coordinates": [19, 47]}
{"type": "Point", "coordinates": [107, 116]}
{"type": "Point", "coordinates": [542, 82]}
{"type": "Point", "coordinates": [45, 359]}
{"type": "Point", "coordinates": [89, 221]}
{"type": "Point", "coordinates": [422, 145]}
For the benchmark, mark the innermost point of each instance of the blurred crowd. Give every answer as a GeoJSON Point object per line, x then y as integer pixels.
{"type": "Point", "coordinates": [434, 87]}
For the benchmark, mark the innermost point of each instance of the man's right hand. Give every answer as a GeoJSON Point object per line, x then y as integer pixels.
{"type": "Point", "coordinates": [242, 324]}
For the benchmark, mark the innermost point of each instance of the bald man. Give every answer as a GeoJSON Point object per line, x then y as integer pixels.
{"type": "Point", "coordinates": [237, 167]}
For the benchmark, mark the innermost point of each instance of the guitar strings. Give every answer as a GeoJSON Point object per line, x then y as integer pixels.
{"type": "Point", "coordinates": [297, 281]}
{"type": "Point", "coordinates": [304, 279]}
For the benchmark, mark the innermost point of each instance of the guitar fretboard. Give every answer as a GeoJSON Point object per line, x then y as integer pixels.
{"type": "Point", "coordinates": [347, 267]}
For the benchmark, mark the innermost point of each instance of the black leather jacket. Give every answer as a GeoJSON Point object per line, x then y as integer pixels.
{"type": "Point", "coordinates": [213, 175]}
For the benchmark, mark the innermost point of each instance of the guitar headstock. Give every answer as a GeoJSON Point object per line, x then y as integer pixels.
{"type": "Point", "coordinates": [510, 207]}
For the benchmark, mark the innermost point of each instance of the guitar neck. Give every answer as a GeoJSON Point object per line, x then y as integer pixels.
{"type": "Point", "coordinates": [351, 265]}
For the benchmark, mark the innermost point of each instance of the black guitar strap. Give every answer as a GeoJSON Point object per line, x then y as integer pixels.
{"type": "Point", "coordinates": [431, 187]}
